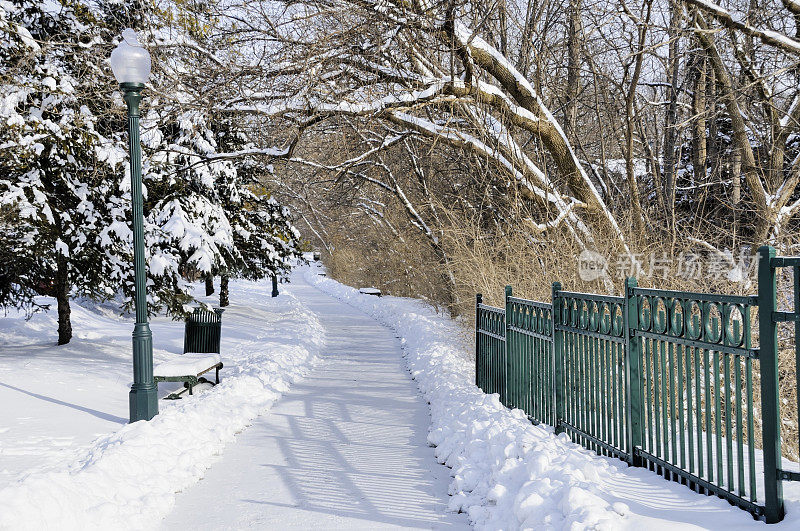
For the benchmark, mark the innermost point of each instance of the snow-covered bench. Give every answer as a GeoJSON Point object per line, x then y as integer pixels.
{"type": "Point", "coordinates": [188, 369]}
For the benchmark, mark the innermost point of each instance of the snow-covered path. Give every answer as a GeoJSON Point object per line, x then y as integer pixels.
{"type": "Point", "coordinates": [345, 448]}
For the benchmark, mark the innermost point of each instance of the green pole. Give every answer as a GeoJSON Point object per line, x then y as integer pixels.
{"type": "Point", "coordinates": [508, 395]}
{"type": "Point", "coordinates": [633, 376]}
{"type": "Point", "coordinates": [142, 398]}
{"type": "Point", "coordinates": [770, 407]}
{"type": "Point", "coordinates": [558, 358]}
{"type": "Point", "coordinates": [478, 379]}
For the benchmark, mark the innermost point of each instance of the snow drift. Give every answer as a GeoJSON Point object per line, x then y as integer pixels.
{"type": "Point", "coordinates": [129, 478]}
{"type": "Point", "coordinates": [508, 474]}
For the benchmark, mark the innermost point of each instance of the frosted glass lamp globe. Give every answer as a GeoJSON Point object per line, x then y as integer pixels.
{"type": "Point", "coordinates": [130, 62]}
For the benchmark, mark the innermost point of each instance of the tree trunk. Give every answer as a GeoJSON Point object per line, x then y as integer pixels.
{"type": "Point", "coordinates": [736, 171]}
{"type": "Point", "coordinates": [699, 112]}
{"type": "Point", "coordinates": [503, 28]}
{"type": "Point", "coordinates": [62, 297]}
{"type": "Point", "coordinates": [712, 144]}
{"type": "Point", "coordinates": [671, 118]}
{"type": "Point", "coordinates": [573, 70]}
{"type": "Point", "coordinates": [765, 216]}
{"type": "Point", "coordinates": [209, 285]}
{"type": "Point", "coordinates": [630, 117]}
{"type": "Point", "coordinates": [275, 291]}
{"type": "Point", "coordinates": [736, 191]}
{"type": "Point", "coordinates": [223, 291]}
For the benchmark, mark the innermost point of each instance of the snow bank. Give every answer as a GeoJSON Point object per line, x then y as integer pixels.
{"type": "Point", "coordinates": [506, 472]}
{"type": "Point", "coordinates": [509, 474]}
{"type": "Point", "coordinates": [129, 478]}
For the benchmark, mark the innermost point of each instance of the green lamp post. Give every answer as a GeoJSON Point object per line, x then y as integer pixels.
{"type": "Point", "coordinates": [131, 65]}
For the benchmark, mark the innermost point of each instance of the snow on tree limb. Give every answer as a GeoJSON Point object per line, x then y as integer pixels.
{"type": "Point", "coordinates": [550, 131]}
{"type": "Point", "coordinates": [771, 37]}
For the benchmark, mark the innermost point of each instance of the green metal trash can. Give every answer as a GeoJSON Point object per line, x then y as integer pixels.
{"type": "Point", "coordinates": [203, 331]}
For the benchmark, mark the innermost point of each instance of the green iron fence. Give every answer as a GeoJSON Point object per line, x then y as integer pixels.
{"type": "Point", "coordinates": [490, 359]}
{"type": "Point", "coordinates": [591, 370]}
{"type": "Point", "coordinates": [660, 379]}
{"type": "Point", "coordinates": [528, 339]}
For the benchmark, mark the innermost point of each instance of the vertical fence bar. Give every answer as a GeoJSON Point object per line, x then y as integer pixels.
{"type": "Point", "coordinates": [681, 404]}
{"type": "Point", "coordinates": [728, 414]}
{"type": "Point", "coordinates": [508, 381]}
{"type": "Point", "coordinates": [687, 351]}
{"type": "Point", "coordinates": [587, 367]}
{"type": "Point", "coordinates": [649, 390]}
{"type": "Point", "coordinates": [708, 432]}
{"type": "Point", "coordinates": [673, 433]}
{"type": "Point", "coordinates": [558, 357]}
{"type": "Point", "coordinates": [699, 409]}
{"type": "Point", "coordinates": [739, 430]}
{"type": "Point", "coordinates": [633, 378]}
{"type": "Point", "coordinates": [658, 346]}
{"type": "Point", "coordinates": [616, 399]}
{"type": "Point", "coordinates": [651, 349]}
{"type": "Point", "coordinates": [607, 419]}
{"type": "Point", "coordinates": [529, 385]}
{"type": "Point", "coordinates": [478, 379]}
{"type": "Point", "coordinates": [768, 365]}
{"type": "Point", "coordinates": [500, 356]}
{"type": "Point", "coordinates": [796, 275]}
{"type": "Point", "coordinates": [587, 362]}
{"type": "Point", "coordinates": [620, 392]}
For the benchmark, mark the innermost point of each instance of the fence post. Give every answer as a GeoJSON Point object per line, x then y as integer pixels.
{"type": "Point", "coordinates": [509, 377]}
{"type": "Point", "coordinates": [478, 301]}
{"type": "Point", "coordinates": [768, 365]}
{"type": "Point", "coordinates": [633, 374]}
{"type": "Point", "coordinates": [558, 358]}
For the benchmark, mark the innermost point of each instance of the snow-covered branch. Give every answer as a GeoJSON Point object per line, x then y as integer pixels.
{"type": "Point", "coordinates": [771, 37]}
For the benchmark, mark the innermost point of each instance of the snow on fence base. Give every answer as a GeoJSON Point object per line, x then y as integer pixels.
{"type": "Point", "coordinates": [129, 478]}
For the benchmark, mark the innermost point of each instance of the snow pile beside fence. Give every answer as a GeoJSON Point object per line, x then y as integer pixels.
{"type": "Point", "coordinates": [509, 474]}
{"type": "Point", "coordinates": [129, 478]}
{"type": "Point", "coordinates": [506, 472]}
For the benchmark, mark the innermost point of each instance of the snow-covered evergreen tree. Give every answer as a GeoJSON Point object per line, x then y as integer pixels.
{"type": "Point", "coordinates": [205, 193]}
{"type": "Point", "coordinates": [58, 178]}
{"type": "Point", "coordinates": [211, 208]}
{"type": "Point", "coordinates": [64, 183]}
{"type": "Point", "coordinates": [265, 241]}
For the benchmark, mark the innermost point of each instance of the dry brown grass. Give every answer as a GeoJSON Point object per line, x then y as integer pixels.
{"type": "Point", "coordinates": [485, 261]}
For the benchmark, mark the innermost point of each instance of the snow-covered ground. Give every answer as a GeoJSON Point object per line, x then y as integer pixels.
{"type": "Point", "coordinates": [344, 448]}
{"type": "Point", "coordinates": [509, 474]}
{"type": "Point", "coordinates": [68, 460]}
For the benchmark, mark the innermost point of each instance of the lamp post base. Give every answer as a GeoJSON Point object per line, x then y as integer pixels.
{"type": "Point", "coordinates": [144, 391]}
{"type": "Point", "coordinates": [143, 403]}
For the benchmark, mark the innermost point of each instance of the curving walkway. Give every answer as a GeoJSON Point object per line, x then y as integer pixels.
{"type": "Point", "coordinates": [345, 448]}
